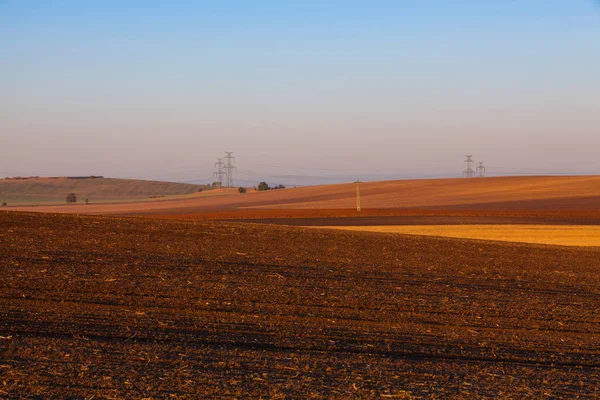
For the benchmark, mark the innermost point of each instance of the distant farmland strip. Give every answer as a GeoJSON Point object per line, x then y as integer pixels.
{"type": "Point", "coordinates": [36, 191]}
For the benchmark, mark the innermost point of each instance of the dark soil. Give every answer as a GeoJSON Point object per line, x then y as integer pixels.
{"type": "Point", "coordinates": [100, 307]}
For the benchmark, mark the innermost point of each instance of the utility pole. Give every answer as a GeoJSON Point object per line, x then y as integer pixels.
{"type": "Point", "coordinates": [219, 174]}
{"type": "Point", "coordinates": [481, 169]}
{"type": "Point", "coordinates": [358, 195]}
{"type": "Point", "coordinates": [469, 171]}
{"type": "Point", "coordinates": [229, 169]}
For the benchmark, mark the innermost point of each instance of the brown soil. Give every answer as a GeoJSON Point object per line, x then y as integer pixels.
{"type": "Point", "coordinates": [104, 307]}
{"type": "Point", "coordinates": [572, 194]}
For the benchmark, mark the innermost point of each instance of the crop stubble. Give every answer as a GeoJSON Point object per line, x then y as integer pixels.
{"type": "Point", "coordinates": [561, 235]}
{"type": "Point", "coordinates": [125, 307]}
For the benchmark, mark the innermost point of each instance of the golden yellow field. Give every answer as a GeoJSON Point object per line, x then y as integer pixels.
{"type": "Point", "coordinates": [564, 235]}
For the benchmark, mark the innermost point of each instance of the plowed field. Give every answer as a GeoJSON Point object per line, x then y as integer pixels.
{"type": "Point", "coordinates": [104, 307]}
{"type": "Point", "coordinates": [568, 194]}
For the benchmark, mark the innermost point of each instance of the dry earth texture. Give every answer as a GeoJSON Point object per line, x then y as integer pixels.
{"type": "Point", "coordinates": [106, 307]}
{"type": "Point", "coordinates": [564, 235]}
{"type": "Point", "coordinates": [54, 190]}
{"type": "Point", "coordinates": [513, 195]}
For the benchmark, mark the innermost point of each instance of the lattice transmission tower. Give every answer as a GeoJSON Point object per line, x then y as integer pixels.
{"type": "Point", "coordinates": [220, 165]}
{"type": "Point", "coordinates": [469, 164]}
{"type": "Point", "coordinates": [229, 169]}
{"type": "Point", "coordinates": [480, 170]}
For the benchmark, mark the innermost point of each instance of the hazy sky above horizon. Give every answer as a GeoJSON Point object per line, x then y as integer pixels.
{"type": "Point", "coordinates": [299, 90]}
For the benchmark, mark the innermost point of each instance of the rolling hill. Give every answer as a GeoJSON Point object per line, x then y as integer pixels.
{"type": "Point", "coordinates": [34, 191]}
{"type": "Point", "coordinates": [505, 194]}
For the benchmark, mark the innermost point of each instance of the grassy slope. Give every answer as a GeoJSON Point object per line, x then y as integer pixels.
{"type": "Point", "coordinates": [44, 191]}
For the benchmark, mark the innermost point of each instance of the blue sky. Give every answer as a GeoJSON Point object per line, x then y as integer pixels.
{"type": "Point", "coordinates": [379, 89]}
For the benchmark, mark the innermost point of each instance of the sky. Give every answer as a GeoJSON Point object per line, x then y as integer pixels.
{"type": "Point", "coordinates": [302, 92]}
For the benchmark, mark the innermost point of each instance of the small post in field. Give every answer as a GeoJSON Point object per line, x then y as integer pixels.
{"type": "Point", "coordinates": [358, 195]}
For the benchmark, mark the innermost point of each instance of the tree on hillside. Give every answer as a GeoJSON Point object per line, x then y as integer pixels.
{"type": "Point", "coordinates": [87, 201]}
{"type": "Point", "coordinates": [263, 186]}
{"type": "Point", "coordinates": [242, 190]}
{"type": "Point", "coordinates": [71, 198]}
{"type": "Point", "coordinates": [4, 204]}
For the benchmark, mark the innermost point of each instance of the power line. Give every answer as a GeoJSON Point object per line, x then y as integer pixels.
{"type": "Point", "coordinates": [321, 169]}
{"type": "Point", "coordinates": [289, 176]}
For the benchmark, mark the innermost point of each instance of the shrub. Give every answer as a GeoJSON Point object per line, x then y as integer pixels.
{"type": "Point", "coordinates": [263, 186]}
{"type": "Point", "coordinates": [71, 198]}
{"type": "Point", "coordinates": [4, 204]}
{"type": "Point", "coordinates": [242, 189]}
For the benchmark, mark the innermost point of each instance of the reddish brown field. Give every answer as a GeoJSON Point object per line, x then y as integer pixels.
{"type": "Point", "coordinates": [180, 304]}
{"type": "Point", "coordinates": [105, 307]}
{"type": "Point", "coordinates": [567, 195]}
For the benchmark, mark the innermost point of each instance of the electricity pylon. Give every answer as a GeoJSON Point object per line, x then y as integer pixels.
{"type": "Point", "coordinates": [219, 173]}
{"type": "Point", "coordinates": [469, 163]}
{"type": "Point", "coordinates": [229, 169]}
{"type": "Point", "coordinates": [481, 169]}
